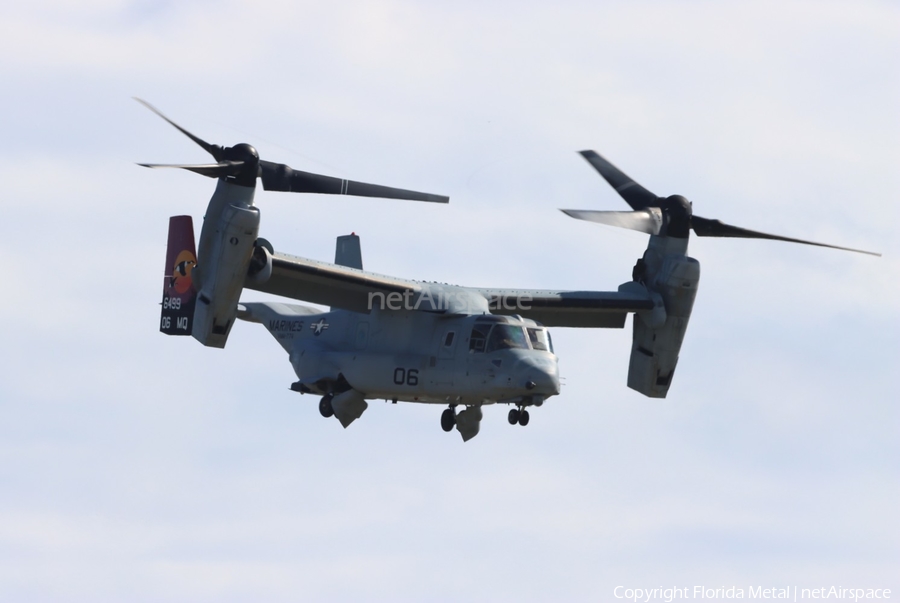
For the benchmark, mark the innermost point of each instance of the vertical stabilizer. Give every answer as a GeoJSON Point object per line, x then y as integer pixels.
{"type": "Point", "coordinates": [347, 252]}
{"type": "Point", "coordinates": [179, 297]}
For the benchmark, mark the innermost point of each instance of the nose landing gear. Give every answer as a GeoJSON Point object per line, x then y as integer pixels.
{"type": "Point", "coordinates": [518, 415]}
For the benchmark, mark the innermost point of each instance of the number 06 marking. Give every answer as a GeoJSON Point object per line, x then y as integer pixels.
{"type": "Point", "coordinates": [408, 377]}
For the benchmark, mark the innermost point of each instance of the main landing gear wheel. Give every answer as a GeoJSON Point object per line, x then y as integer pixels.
{"type": "Point", "coordinates": [448, 419]}
{"type": "Point", "coordinates": [513, 416]}
{"type": "Point", "coordinates": [518, 416]}
{"type": "Point", "coordinates": [325, 408]}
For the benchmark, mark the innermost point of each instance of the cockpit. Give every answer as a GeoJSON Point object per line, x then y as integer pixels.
{"type": "Point", "coordinates": [493, 333]}
{"type": "Point", "coordinates": [514, 356]}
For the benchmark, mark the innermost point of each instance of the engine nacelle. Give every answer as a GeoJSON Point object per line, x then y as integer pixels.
{"type": "Point", "coordinates": [230, 229]}
{"type": "Point", "coordinates": [666, 271]}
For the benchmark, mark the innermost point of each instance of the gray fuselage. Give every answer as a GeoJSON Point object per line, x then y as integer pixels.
{"type": "Point", "coordinates": [414, 356]}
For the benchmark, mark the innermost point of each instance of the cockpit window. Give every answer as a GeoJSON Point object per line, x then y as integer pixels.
{"type": "Point", "coordinates": [540, 339]}
{"type": "Point", "coordinates": [478, 338]}
{"type": "Point", "coordinates": [504, 337]}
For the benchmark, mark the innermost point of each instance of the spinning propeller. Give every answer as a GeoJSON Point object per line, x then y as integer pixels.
{"type": "Point", "coordinates": [670, 216]}
{"type": "Point", "coordinates": [241, 165]}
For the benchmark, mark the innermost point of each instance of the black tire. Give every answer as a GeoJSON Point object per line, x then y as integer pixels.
{"type": "Point", "coordinates": [513, 416]}
{"type": "Point", "coordinates": [325, 408]}
{"type": "Point", "coordinates": [448, 419]}
{"type": "Point", "coordinates": [523, 418]}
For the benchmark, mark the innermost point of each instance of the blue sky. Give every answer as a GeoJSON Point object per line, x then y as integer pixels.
{"type": "Point", "coordinates": [135, 466]}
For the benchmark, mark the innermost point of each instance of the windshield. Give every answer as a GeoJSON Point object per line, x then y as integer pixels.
{"type": "Point", "coordinates": [504, 337]}
{"type": "Point", "coordinates": [540, 339]}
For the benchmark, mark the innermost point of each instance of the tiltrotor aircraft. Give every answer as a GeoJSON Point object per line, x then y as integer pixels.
{"type": "Point", "coordinates": [405, 340]}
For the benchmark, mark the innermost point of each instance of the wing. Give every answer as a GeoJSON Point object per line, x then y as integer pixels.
{"type": "Point", "coordinates": [328, 284]}
{"type": "Point", "coordinates": [359, 291]}
{"type": "Point", "coordinates": [585, 309]}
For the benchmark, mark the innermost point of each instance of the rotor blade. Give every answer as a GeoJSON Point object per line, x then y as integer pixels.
{"type": "Point", "coordinates": [644, 220]}
{"type": "Point", "coordinates": [705, 227]}
{"type": "Point", "coordinates": [213, 149]}
{"type": "Point", "coordinates": [280, 177]}
{"type": "Point", "coordinates": [634, 194]}
{"type": "Point", "coordinates": [211, 170]}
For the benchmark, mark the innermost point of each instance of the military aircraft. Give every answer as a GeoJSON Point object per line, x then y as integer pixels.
{"type": "Point", "coordinates": [413, 341]}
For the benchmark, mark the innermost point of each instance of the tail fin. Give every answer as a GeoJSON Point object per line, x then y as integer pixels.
{"type": "Point", "coordinates": [347, 252]}
{"type": "Point", "coordinates": [179, 296]}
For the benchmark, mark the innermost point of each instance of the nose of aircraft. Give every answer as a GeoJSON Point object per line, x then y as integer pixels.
{"type": "Point", "coordinates": [539, 375]}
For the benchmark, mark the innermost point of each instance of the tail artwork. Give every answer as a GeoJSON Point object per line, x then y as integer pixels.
{"type": "Point", "coordinates": [179, 296]}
